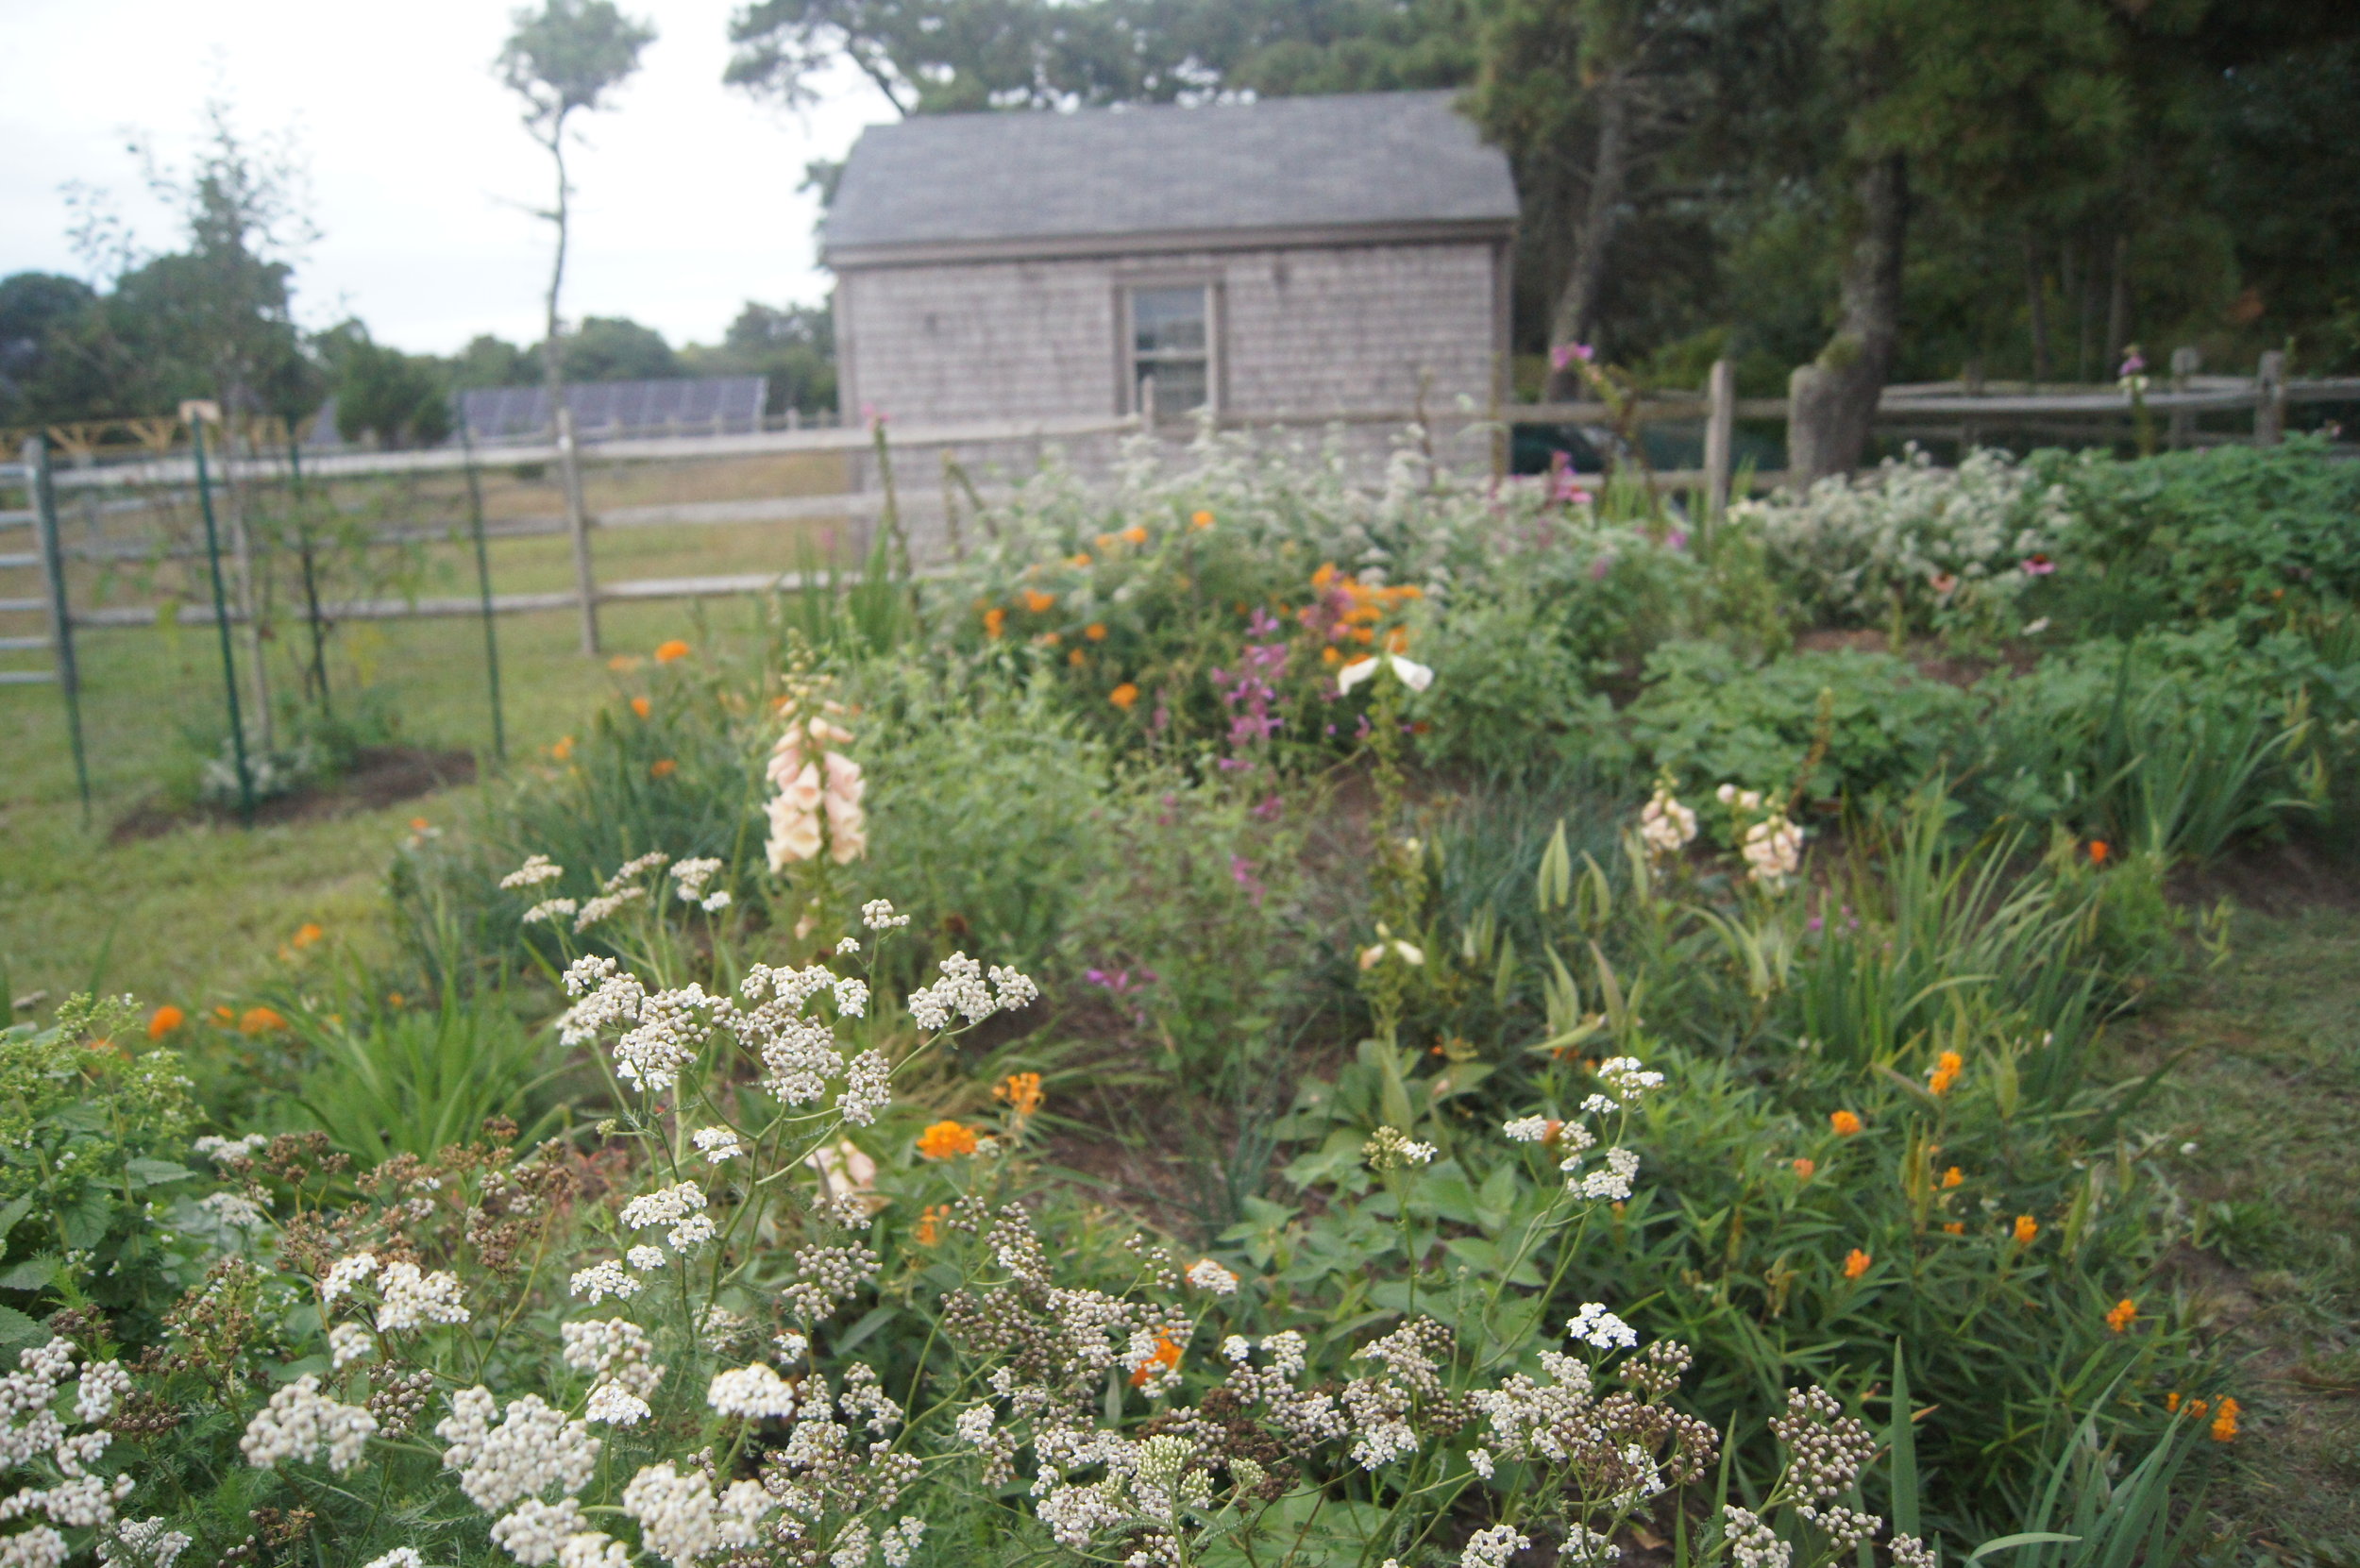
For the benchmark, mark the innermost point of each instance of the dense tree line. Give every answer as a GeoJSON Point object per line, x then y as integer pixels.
{"type": "Point", "coordinates": [1883, 189]}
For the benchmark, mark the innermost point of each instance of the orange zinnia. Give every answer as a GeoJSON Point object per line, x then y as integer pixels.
{"type": "Point", "coordinates": [2124, 1313]}
{"type": "Point", "coordinates": [260, 1020]}
{"type": "Point", "coordinates": [1202, 519]}
{"type": "Point", "coordinates": [1856, 1263]}
{"type": "Point", "coordinates": [946, 1140]}
{"type": "Point", "coordinates": [641, 706]}
{"type": "Point", "coordinates": [2025, 1228]}
{"type": "Point", "coordinates": [164, 1021]}
{"type": "Point", "coordinates": [1947, 1070]}
{"type": "Point", "coordinates": [1166, 1355]}
{"type": "Point", "coordinates": [667, 651]}
{"type": "Point", "coordinates": [1123, 696]}
{"type": "Point", "coordinates": [1038, 603]}
{"type": "Point", "coordinates": [1845, 1122]}
{"type": "Point", "coordinates": [994, 618]}
{"type": "Point", "coordinates": [663, 767]}
{"type": "Point", "coordinates": [1134, 534]}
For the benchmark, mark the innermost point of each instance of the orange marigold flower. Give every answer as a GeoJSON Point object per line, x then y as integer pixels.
{"type": "Point", "coordinates": [1076, 658]}
{"type": "Point", "coordinates": [2171, 1400]}
{"type": "Point", "coordinates": [1136, 534]}
{"type": "Point", "coordinates": [1397, 640]}
{"type": "Point", "coordinates": [2025, 1228]}
{"type": "Point", "coordinates": [164, 1021]}
{"type": "Point", "coordinates": [1331, 655]}
{"type": "Point", "coordinates": [419, 824]}
{"type": "Point", "coordinates": [1326, 575]}
{"type": "Point", "coordinates": [1362, 634]}
{"type": "Point", "coordinates": [1021, 1091]}
{"type": "Point", "coordinates": [1166, 1355]}
{"type": "Point", "coordinates": [663, 767]}
{"type": "Point", "coordinates": [225, 1013]}
{"type": "Point", "coordinates": [1955, 1227]}
{"type": "Point", "coordinates": [2098, 852]}
{"type": "Point", "coordinates": [260, 1020]}
{"type": "Point", "coordinates": [667, 651]}
{"type": "Point", "coordinates": [1049, 639]}
{"type": "Point", "coordinates": [1095, 631]}
{"type": "Point", "coordinates": [1953, 1176]}
{"type": "Point", "coordinates": [1845, 1122]}
{"type": "Point", "coordinates": [307, 933]}
{"type": "Point", "coordinates": [641, 706]}
{"type": "Point", "coordinates": [2224, 1427]}
{"type": "Point", "coordinates": [1123, 696]}
{"type": "Point", "coordinates": [930, 1223]}
{"type": "Point", "coordinates": [1038, 603]}
{"type": "Point", "coordinates": [1201, 519]}
{"type": "Point", "coordinates": [1856, 1263]}
{"type": "Point", "coordinates": [994, 618]}
{"type": "Point", "coordinates": [1077, 561]}
{"type": "Point", "coordinates": [1806, 1168]}
{"type": "Point", "coordinates": [564, 748]}
{"type": "Point", "coordinates": [2122, 1315]}
{"type": "Point", "coordinates": [1947, 1070]}
{"type": "Point", "coordinates": [946, 1140]}
{"type": "Point", "coordinates": [623, 663]}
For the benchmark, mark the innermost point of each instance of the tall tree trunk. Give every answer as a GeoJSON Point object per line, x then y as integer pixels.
{"type": "Point", "coordinates": [1575, 319]}
{"type": "Point", "coordinates": [2036, 297]}
{"type": "Point", "coordinates": [1834, 398]}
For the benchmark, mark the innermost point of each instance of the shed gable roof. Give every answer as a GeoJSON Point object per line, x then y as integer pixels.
{"type": "Point", "coordinates": [999, 181]}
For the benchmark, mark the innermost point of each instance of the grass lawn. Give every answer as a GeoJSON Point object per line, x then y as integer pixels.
{"type": "Point", "coordinates": [2266, 1091]}
{"type": "Point", "coordinates": [195, 914]}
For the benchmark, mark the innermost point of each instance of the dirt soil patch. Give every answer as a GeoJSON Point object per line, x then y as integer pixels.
{"type": "Point", "coordinates": [380, 776]}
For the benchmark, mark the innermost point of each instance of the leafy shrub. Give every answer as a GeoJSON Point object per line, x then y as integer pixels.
{"type": "Point", "coordinates": [1868, 724]}
{"type": "Point", "coordinates": [2253, 536]}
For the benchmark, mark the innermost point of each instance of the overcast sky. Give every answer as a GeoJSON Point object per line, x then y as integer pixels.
{"type": "Point", "coordinates": [686, 204]}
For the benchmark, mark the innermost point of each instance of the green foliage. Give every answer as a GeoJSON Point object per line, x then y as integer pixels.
{"type": "Point", "coordinates": [417, 1081]}
{"type": "Point", "coordinates": [1842, 727]}
{"type": "Point", "coordinates": [95, 1191]}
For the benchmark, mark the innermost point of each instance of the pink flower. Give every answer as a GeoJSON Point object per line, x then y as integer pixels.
{"type": "Point", "coordinates": [1566, 353]}
{"type": "Point", "coordinates": [2038, 565]}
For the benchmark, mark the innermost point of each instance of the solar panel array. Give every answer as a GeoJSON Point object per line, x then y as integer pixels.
{"type": "Point", "coordinates": [704, 405]}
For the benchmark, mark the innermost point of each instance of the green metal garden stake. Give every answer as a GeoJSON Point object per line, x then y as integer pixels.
{"type": "Point", "coordinates": [45, 490]}
{"type": "Point", "coordinates": [221, 621]}
{"type": "Point", "coordinates": [484, 587]}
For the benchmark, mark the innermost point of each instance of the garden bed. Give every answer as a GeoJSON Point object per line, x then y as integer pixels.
{"type": "Point", "coordinates": [379, 776]}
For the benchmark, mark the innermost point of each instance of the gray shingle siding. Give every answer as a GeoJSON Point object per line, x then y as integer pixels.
{"type": "Point", "coordinates": [1353, 159]}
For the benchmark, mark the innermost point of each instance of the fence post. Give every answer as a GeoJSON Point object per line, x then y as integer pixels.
{"type": "Point", "coordinates": [578, 528]}
{"type": "Point", "coordinates": [1720, 435]}
{"type": "Point", "coordinates": [196, 418]}
{"type": "Point", "coordinates": [2269, 399]}
{"type": "Point", "coordinates": [44, 498]}
{"type": "Point", "coordinates": [484, 587]}
{"type": "Point", "coordinates": [2185, 362]}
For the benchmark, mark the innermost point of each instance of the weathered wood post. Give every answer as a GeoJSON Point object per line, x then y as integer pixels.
{"type": "Point", "coordinates": [2185, 362]}
{"type": "Point", "coordinates": [1720, 435]}
{"type": "Point", "coordinates": [2269, 399]}
{"type": "Point", "coordinates": [577, 529]}
{"type": "Point", "coordinates": [1802, 449]}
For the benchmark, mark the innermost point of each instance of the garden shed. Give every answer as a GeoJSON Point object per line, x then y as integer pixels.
{"type": "Point", "coordinates": [1305, 257]}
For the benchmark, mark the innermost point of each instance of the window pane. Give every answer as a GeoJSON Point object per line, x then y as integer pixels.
{"type": "Point", "coordinates": [1179, 384]}
{"type": "Point", "coordinates": [1168, 321]}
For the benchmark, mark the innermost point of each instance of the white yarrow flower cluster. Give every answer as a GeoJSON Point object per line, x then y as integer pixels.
{"type": "Point", "coordinates": [961, 991]}
{"type": "Point", "coordinates": [1491, 1548]}
{"type": "Point", "coordinates": [532, 873]}
{"type": "Point", "coordinates": [878, 915]}
{"type": "Point", "coordinates": [1206, 1274]}
{"type": "Point", "coordinates": [1601, 1329]}
{"type": "Point", "coordinates": [344, 1273]}
{"type": "Point", "coordinates": [408, 1296]}
{"type": "Point", "coordinates": [615, 1351]}
{"type": "Point", "coordinates": [300, 1422]}
{"type": "Point", "coordinates": [603, 1279]}
{"type": "Point", "coordinates": [680, 1207]}
{"type": "Point", "coordinates": [349, 1342]}
{"type": "Point", "coordinates": [534, 1450]}
{"type": "Point", "coordinates": [693, 875]}
{"type": "Point", "coordinates": [718, 1144]}
{"type": "Point", "coordinates": [142, 1543]}
{"type": "Point", "coordinates": [756, 1393]}
{"type": "Point", "coordinates": [681, 1520]}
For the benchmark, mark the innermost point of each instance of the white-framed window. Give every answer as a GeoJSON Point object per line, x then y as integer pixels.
{"type": "Point", "coordinates": [1171, 337]}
